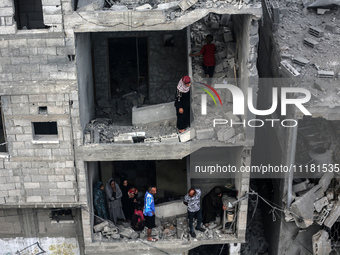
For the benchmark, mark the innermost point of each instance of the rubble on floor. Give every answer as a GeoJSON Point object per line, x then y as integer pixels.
{"type": "Point", "coordinates": [107, 130]}
{"type": "Point", "coordinates": [308, 39]}
{"type": "Point", "coordinates": [172, 9]}
{"type": "Point", "coordinates": [176, 229]}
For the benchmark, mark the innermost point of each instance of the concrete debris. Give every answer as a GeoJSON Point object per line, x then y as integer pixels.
{"type": "Point", "coordinates": [100, 226]}
{"type": "Point", "coordinates": [333, 215]}
{"type": "Point", "coordinates": [123, 139]}
{"type": "Point", "coordinates": [118, 8]}
{"type": "Point", "coordinates": [289, 70]}
{"type": "Point", "coordinates": [321, 243]}
{"type": "Point", "coordinates": [315, 31]}
{"type": "Point", "coordinates": [322, 11]}
{"type": "Point", "coordinates": [168, 6]}
{"type": "Point", "coordinates": [169, 138]}
{"type": "Point", "coordinates": [152, 140]}
{"type": "Point", "coordinates": [318, 86]}
{"type": "Point", "coordinates": [301, 186]}
{"type": "Point", "coordinates": [325, 74]}
{"type": "Point", "coordinates": [225, 134]}
{"type": "Point", "coordinates": [94, 6]}
{"type": "Point", "coordinates": [303, 208]}
{"type": "Point", "coordinates": [326, 180]}
{"type": "Point", "coordinates": [300, 61]}
{"type": "Point", "coordinates": [320, 204]}
{"type": "Point", "coordinates": [144, 7]}
{"type": "Point", "coordinates": [186, 4]}
{"type": "Point", "coordinates": [330, 28]}
{"type": "Point", "coordinates": [188, 135]}
{"type": "Point", "coordinates": [207, 133]}
{"type": "Point", "coordinates": [310, 42]}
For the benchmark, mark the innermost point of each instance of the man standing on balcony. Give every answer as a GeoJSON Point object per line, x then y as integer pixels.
{"type": "Point", "coordinates": [193, 201]}
{"type": "Point", "coordinates": [149, 211]}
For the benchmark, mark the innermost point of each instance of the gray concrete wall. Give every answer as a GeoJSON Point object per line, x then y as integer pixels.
{"type": "Point", "coordinates": [35, 71]}
{"type": "Point", "coordinates": [166, 64]}
{"type": "Point", "coordinates": [85, 78]}
{"type": "Point", "coordinates": [246, 28]}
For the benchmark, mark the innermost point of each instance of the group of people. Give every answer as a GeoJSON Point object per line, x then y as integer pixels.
{"type": "Point", "coordinates": [144, 216]}
{"type": "Point", "coordinates": [183, 98]}
{"type": "Point", "coordinates": [121, 203]}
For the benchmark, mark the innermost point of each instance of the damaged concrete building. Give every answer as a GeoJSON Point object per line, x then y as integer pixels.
{"type": "Point", "coordinates": [299, 49]}
{"type": "Point", "coordinates": [87, 92]}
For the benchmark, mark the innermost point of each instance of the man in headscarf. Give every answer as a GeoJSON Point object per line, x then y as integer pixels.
{"type": "Point", "coordinates": [212, 203]}
{"type": "Point", "coordinates": [182, 103]}
{"type": "Point", "coordinates": [114, 195]}
{"type": "Point", "coordinates": [99, 201]}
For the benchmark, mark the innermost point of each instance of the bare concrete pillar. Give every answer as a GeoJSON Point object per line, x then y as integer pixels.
{"type": "Point", "coordinates": [29, 222]}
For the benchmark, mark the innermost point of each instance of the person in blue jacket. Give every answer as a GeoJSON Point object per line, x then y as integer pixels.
{"type": "Point", "coordinates": [149, 212]}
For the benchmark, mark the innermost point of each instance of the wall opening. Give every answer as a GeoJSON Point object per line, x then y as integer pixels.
{"type": "Point", "coordinates": [45, 132]}
{"type": "Point", "coordinates": [128, 65]}
{"type": "Point", "coordinates": [3, 142]}
{"type": "Point", "coordinates": [29, 14]}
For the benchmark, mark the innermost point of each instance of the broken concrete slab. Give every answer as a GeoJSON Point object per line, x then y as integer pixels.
{"type": "Point", "coordinates": [226, 133]}
{"type": "Point", "coordinates": [301, 186]}
{"type": "Point", "coordinates": [321, 203]}
{"type": "Point", "coordinates": [303, 208]}
{"type": "Point", "coordinates": [101, 226]}
{"type": "Point", "coordinates": [187, 135]}
{"type": "Point", "coordinates": [326, 180]}
{"type": "Point", "coordinates": [186, 4]}
{"type": "Point", "coordinates": [144, 7]}
{"type": "Point", "coordinates": [168, 6]}
{"type": "Point", "coordinates": [321, 243]}
{"type": "Point", "coordinates": [207, 133]}
{"type": "Point", "coordinates": [333, 215]}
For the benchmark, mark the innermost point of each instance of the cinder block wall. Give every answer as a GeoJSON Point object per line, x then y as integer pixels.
{"type": "Point", "coordinates": [37, 69]}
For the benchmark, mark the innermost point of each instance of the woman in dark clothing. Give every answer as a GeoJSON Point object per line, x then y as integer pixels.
{"type": "Point", "coordinates": [126, 202]}
{"type": "Point", "coordinates": [212, 203]}
{"type": "Point", "coordinates": [99, 201]}
{"type": "Point", "coordinates": [182, 104]}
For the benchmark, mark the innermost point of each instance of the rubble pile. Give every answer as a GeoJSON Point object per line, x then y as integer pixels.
{"type": "Point", "coordinates": [308, 39]}
{"type": "Point", "coordinates": [176, 229]}
{"type": "Point", "coordinates": [174, 9]}
{"type": "Point", "coordinates": [221, 27]}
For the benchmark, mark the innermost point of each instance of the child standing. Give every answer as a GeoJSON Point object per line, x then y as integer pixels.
{"type": "Point", "coordinates": [208, 52]}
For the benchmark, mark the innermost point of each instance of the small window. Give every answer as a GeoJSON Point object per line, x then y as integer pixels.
{"type": "Point", "coordinates": [3, 142]}
{"type": "Point", "coordinates": [45, 132]}
{"type": "Point", "coordinates": [29, 14]}
{"type": "Point", "coordinates": [43, 110]}
{"type": "Point", "coordinates": [61, 216]}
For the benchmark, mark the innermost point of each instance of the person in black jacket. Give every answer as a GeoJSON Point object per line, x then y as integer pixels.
{"type": "Point", "coordinates": [212, 205]}
{"type": "Point", "coordinates": [182, 104]}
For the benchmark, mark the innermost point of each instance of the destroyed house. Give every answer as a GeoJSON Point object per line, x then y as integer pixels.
{"type": "Point", "coordinates": [87, 93]}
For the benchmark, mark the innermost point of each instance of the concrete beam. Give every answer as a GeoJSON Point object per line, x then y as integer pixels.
{"type": "Point", "coordinates": [103, 21]}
